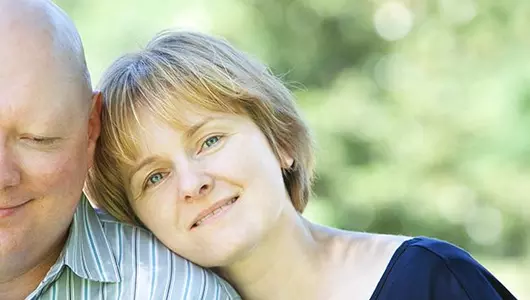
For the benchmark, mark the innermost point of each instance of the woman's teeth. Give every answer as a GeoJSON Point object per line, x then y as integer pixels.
{"type": "Point", "coordinates": [213, 213]}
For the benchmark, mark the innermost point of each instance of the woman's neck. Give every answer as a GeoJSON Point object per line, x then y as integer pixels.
{"type": "Point", "coordinates": [287, 260]}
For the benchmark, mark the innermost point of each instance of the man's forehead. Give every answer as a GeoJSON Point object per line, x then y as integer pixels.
{"type": "Point", "coordinates": [22, 47]}
{"type": "Point", "coordinates": [35, 77]}
{"type": "Point", "coordinates": [25, 20]}
{"type": "Point", "coordinates": [28, 31]}
{"type": "Point", "coordinates": [38, 32]}
{"type": "Point", "coordinates": [38, 106]}
{"type": "Point", "coordinates": [41, 57]}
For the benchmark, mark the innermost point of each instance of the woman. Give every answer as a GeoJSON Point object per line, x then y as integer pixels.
{"type": "Point", "coordinates": [204, 147]}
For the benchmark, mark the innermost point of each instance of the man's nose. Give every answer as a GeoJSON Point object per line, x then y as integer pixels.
{"type": "Point", "coordinates": [9, 170]}
{"type": "Point", "coordinates": [193, 183]}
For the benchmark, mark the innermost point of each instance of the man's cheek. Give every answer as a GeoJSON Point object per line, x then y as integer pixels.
{"type": "Point", "coordinates": [51, 169]}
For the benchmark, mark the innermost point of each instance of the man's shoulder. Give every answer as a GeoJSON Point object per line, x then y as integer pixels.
{"type": "Point", "coordinates": [129, 241]}
{"type": "Point", "coordinates": [116, 230]}
{"type": "Point", "coordinates": [142, 258]}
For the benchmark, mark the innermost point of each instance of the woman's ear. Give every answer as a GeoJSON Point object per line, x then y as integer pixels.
{"type": "Point", "coordinates": [286, 161]}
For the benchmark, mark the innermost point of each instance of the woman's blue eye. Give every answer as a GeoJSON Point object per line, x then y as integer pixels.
{"type": "Point", "coordinates": [211, 141]}
{"type": "Point", "coordinates": [154, 178]}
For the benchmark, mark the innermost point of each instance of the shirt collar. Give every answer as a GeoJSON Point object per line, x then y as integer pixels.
{"type": "Point", "coordinates": [87, 250]}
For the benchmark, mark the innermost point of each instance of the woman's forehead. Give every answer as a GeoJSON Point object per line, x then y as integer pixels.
{"type": "Point", "coordinates": [183, 118]}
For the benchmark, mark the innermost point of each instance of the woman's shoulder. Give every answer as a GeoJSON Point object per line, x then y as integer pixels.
{"type": "Point", "coordinates": [360, 259]}
{"type": "Point", "coordinates": [363, 242]}
{"type": "Point", "coordinates": [442, 249]}
{"type": "Point", "coordinates": [371, 248]}
{"type": "Point", "coordinates": [427, 268]}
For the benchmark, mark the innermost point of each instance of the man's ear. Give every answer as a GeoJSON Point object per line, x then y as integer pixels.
{"type": "Point", "coordinates": [94, 125]}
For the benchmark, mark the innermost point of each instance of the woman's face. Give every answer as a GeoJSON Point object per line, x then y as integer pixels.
{"type": "Point", "coordinates": [209, 191]}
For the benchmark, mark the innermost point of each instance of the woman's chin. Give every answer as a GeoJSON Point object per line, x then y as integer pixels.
{"type": "Point", "coordinates": [217, 260]}
{"type": "Point", "coordinates": [221, 255]}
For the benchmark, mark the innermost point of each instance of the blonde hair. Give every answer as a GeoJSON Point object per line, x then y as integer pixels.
{"type": "Point", "coordinates": [185, 70]}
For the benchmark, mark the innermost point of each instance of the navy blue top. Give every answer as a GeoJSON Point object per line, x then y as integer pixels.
{"type": "Point", "coordinates": [424, 268]}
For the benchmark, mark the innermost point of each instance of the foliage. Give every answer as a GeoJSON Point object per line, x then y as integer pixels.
{"type": "Point", "coordinates": [421, 109]}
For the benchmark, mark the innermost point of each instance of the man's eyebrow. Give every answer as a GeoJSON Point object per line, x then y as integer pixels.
{"type": "Point", "coordinates": [139, 166]}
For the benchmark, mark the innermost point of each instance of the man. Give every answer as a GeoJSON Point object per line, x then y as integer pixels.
{"type": "Point", "coordinates": [51, 245]}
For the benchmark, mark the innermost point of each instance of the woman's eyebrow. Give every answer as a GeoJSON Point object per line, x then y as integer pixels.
{"type": "Point", "coordinates": [196, 127]}
{"type": "Point", "coordinates": [144, 162]}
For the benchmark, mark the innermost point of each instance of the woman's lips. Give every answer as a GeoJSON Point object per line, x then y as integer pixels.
{"type": "Point", "coordinates": [213, 212]}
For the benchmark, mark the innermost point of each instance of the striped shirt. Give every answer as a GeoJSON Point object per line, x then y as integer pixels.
{"type": "Point", "coordinates": [106, 259]}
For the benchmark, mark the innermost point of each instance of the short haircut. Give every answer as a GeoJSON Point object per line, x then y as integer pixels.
{"type": "Point", "coordinates": [180, 70]}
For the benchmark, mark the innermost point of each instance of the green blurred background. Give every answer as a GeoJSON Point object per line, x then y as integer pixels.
{"type": "Point", "coordinates": [421, 108]}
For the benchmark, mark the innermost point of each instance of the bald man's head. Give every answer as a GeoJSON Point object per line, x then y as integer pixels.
{"type": "Point", "coordinates": [37, 33]}
{"type": "Point", "coordinates": [49, 125]}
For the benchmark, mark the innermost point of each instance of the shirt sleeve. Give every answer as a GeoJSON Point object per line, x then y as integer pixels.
{"type": "Point", "coordinates": [178, 278]}
{"type": "Point", "coordinates": [149, 270]}
{"type": "Point", "coordinates": [437, 270]}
